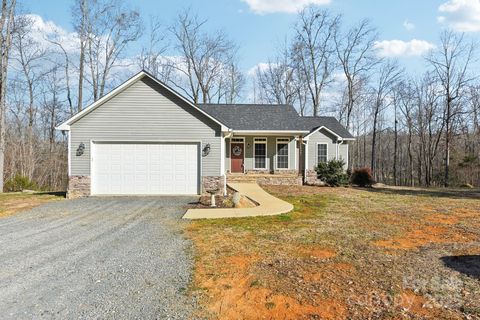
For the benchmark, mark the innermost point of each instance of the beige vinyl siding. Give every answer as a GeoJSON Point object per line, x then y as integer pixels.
{"type": "Point", "coordinates": [292, 151]}
{"type": "Point", "coordinates": [145, 112]}
{"type": "Point", "coordinates": [324, 136]}
{"type": "Point", "coordinates": [343, 153]}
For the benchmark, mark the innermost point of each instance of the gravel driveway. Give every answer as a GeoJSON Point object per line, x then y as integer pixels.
{"type": "Point", "coordinates": [121, 257]}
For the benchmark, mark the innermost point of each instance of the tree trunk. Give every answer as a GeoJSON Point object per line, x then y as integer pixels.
{"type": "Point", "coordinates": [6, 39]}
{"type": "Point", "coordinates": [395, 147]}
{"type": "Point", "coordinates": [374, 140]}
{"type": "Point", "coordinates": [447, 144]}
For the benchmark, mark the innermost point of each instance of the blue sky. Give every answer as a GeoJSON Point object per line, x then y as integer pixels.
{"type": "Point", "coordinates": [259, 26]}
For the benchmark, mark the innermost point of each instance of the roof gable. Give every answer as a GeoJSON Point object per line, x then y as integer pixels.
{"type": "Point", "coordinates": [66, 125]}
{"type": "Point", "coordinates": [314, 124]}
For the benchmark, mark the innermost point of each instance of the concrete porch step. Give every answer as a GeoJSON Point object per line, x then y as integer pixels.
{"type": "Point", "coordinates": [265, 179]}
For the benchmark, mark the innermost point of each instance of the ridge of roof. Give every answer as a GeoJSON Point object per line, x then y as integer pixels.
{"type": "Point", "coordinates": [271, 117]}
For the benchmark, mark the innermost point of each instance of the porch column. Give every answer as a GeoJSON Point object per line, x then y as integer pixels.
{"type": "Point", "coordinates": [222, 162]}
{"type": "Point", "coordinates": [305, 155]}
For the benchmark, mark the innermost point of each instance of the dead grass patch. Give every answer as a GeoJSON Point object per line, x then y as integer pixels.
{"type": "Point", "coordinates": [11, 203]}
{"type": "Point", "coordinates": [318, 262]}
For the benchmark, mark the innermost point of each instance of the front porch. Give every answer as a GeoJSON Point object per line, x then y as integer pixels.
{"type": "Point", "coordinates": [268, 159]}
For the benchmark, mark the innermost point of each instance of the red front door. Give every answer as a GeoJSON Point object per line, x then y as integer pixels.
{"type": "Point", "coordinates": [236, 154]}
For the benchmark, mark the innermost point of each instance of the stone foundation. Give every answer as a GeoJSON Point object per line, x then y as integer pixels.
{"type": "Point", "coordinates": [213, 182]}
{"type": "Point", "coordinates": [280, 180]}
{"type": "Point", "coordinates": [311, 179]}
{"type": "Point", "coordinates": [267, 179]}
{"type": "Point", "coordinates": [290, 172]}
{"type": "Point", "coordinates": [258, 172]}
{"type": "Point", "coordinates": [78, 187]}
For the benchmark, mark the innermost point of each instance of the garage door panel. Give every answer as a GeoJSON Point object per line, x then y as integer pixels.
{"type": "Point", "coordinates": [145, 168]}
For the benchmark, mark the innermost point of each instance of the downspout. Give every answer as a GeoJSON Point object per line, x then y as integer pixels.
{"type": "Point", "coordinates": [305, 159]}
{"type": "Point", "coordinates": [338, 148]}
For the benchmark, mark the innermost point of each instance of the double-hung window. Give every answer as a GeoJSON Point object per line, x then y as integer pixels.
{"type": "Point", "coordinates": [282, 153]}
{"type": "Point", "coordinates": [260, 153]}
{"type": "Point", "coordinates": [322, 153]}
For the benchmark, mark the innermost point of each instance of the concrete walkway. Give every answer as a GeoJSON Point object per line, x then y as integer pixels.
{"type": "Point", "coordinates": [268, 205]}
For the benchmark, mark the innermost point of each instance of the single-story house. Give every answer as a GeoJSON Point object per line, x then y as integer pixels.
{"type": "Point", "coordinates": [144, 138]}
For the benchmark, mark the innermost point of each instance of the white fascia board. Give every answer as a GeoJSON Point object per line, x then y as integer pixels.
{"type": "Point", "coordinates": [262, 132]}
{"type": "Point", "coordinates": [335, 134]}
{"type": "Point", "coordinates": [66, 125]}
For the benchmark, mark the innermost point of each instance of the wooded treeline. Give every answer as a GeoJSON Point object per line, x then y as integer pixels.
{"type": "Point", "coordinates": [420, 129]}
{"type": "Point", "coordinates": [412, 129]}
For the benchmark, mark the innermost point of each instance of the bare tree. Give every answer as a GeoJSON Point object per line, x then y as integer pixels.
{"type": "Point", "coordinates": [80, 15]}
{"type": "Point", "coordinates": [451, 62]}
{"type": "Point", "coordinates": [406, 101]}
{"type": "Point", "coordinates": [430, 125]}
{"type": "Point", "coordinates": [51, 166]}
{"type": "Point", "coordinates": [28, 55]}
{"type": "Point", "coordinates": [388, 77]}
{"type": "Point", "coordinates": [66, 67]}
{"type": "Point", "coordinates": [314, 51]}
{"type": "Point", "coordinates": [204, 57]}
{"type": "Point", "coordinates": [6, 30]}
{"type": "Point", "coordinates": [277, 80]}
{"type": "Point", "coordinates": [152, 57]}
{"type": "Point", "coordinates": [111, 27]}
{"type": "Point", "coordinates": [356, 54]}
{"type": "Point", "coordinates": [230, 83]}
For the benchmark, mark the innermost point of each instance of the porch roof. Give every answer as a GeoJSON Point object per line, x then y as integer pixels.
{"type": "Point", "coordinates": [267, 118]}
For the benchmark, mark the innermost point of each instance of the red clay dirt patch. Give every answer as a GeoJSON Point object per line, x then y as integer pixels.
{"type": "Point", "coordinates": [236, 295]}
{"type": "Point", "coordinates": [420, 306]}
{"type": "Point", "coordinates": [319, 262]}
{"type": "Point", "coordinates": [442, 219]}
{"type": "Point", "coordinates": [261, 303]}
{"type": "Point", "coordinates": [424, 236]}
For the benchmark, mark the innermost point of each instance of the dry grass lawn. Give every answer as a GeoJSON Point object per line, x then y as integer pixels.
{"type": "Point", "coordinates": [11, 203]}
{"type": "Point", "coordinates": [344, 254]}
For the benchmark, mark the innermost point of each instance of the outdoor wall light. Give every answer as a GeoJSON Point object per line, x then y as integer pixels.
{"type": "Point", "coordinates": [206, 150]}
{"type": "Point", "coordinates": [80, 149]}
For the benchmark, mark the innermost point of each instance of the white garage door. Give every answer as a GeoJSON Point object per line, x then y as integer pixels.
{"type": "Point", "coordinates": [144, 168]}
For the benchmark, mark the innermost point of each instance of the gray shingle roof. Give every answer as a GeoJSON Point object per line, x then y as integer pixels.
{"type": "Point", "coordinates": [270, 117]}
{"type": "Point", "coordinates": [254, 116]}
{"type": "Point", "coordinates": [312, 123]}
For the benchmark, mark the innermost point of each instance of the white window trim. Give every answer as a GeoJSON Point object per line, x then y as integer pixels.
{"type": "Point", "coordinates": [266, 152]}
{"type": "Point", "coordinates": [241, 139]}
{"type": "Point", "coordinates": [230, 150]}
{"type": "Point", "coordinates": [282, 141]}
{"type": "Point", "coordinates": [316, 155]}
